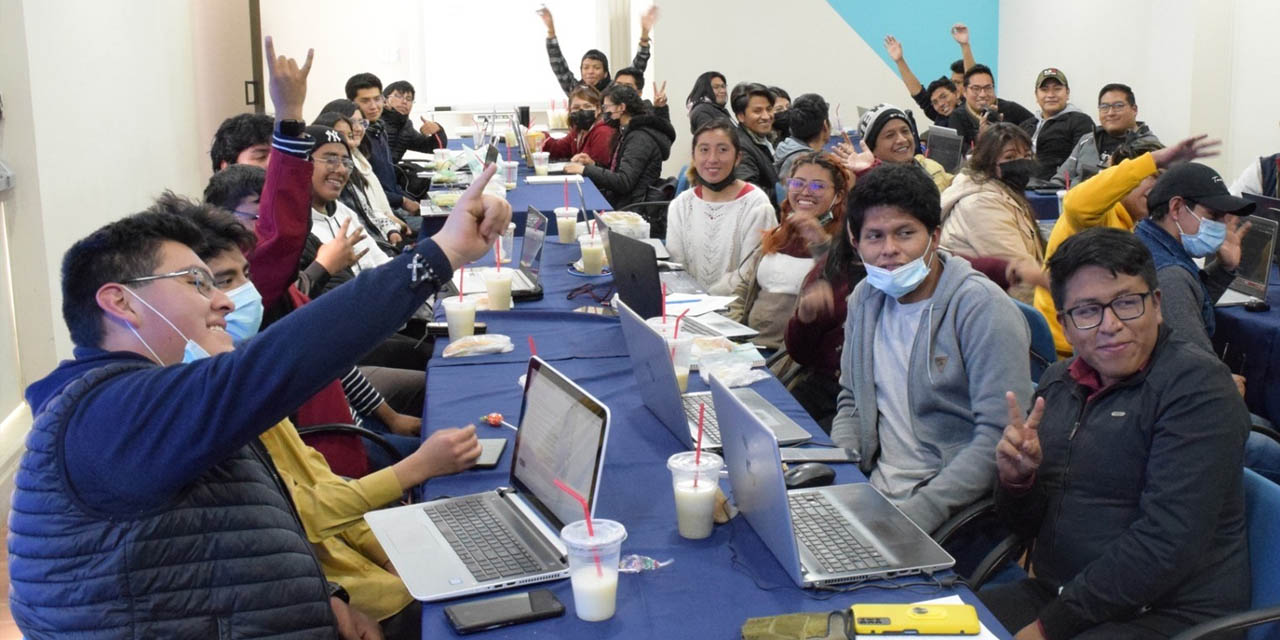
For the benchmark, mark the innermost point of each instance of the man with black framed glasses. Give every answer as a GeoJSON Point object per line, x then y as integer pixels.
{"type": "Point", "coordinates": [1127, 470]}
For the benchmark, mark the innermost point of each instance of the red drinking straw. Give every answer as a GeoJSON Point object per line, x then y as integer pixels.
{"type": "Point", "coordinates": [586, 514]}
{"type": "Point", "coordinates": [697, 452]}
{"type": "Point", "coordinates": [566, 194]}
{"type": "Point", "coordinates": [664, 303]}
{"type": "Point", "coordinates": [1066, 176]}
{"type": "Point", "coordinates": [462, 278]}
{"type": "Point", "coordinates": [533, 350]}
{"type": "Point", "coordinates": [497, 258]}
{"type": "Point", "coordinates": [676, 333]}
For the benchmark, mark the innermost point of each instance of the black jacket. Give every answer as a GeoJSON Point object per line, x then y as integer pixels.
{"type": "Point", "coordinates": [705, 112]}
{"type": "Point", "coordinates": [756, 166]}
{"type": "Point", "coordinates": [1057, 137]}
{"type": "Point", "coordinates": [402, 135]}
{"type": "Point", "coordinates": [1139, 500]}
{"type": "Point", "coordinates": [966, 124]}
{"type": "Point", "coordinates": [642, 146]}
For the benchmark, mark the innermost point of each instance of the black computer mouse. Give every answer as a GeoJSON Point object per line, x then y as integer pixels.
{"type": "Point", "coordinates": [809, 474]}
{"type": "Point", "coordinates": [1257, 305]}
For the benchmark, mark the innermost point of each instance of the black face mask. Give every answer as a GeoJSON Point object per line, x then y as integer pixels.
{"type": "Point", "coordinates": [1017, 173]}
{"type": "Point", "coordinates": [582, 119]}
{"type": "Point", "coordinates": [782, 123]}
{"type": "Point", "coordinates": [718, 186]}
{"type": "Point", "coordinates": [610, 121]}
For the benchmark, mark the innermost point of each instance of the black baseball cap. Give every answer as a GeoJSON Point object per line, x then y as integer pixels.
{"type": "Point", "coordinates": [1200, 184]}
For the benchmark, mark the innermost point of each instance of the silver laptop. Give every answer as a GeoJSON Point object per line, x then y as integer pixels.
{"type": "Point", "coordinates": [946, 147]}
{"type": "Point", "coordinates": [679, 413]}
{"type": "Point", "coordinates": [509, 536]}
{"type": "Point", "coordinates": [820, 536]}
{"type": "Point", "coordinates": [1254, 272]}
{"type": "Point", "coordinates": [526, 282]}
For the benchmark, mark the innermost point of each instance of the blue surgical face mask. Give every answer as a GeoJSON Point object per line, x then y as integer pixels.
{"type": "Point", "coordinates": [901, 281]}
{"type": "Point", "coordinates": [243, 322]}
{"type": "Point", "coordinates": [1205, 241]}
{"type": "Point", "coordinates": [190, 353]}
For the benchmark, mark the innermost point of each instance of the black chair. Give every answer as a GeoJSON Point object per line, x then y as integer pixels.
{"type": "Point", "coordinates": [361, 435]}
{"type": "Point", "coordinates": [1007, 549]}
{"type": "Point", "coordinates": [655, 213]}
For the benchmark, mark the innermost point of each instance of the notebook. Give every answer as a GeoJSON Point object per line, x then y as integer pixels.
{"type": "Point", "coordinates": [509, 536]}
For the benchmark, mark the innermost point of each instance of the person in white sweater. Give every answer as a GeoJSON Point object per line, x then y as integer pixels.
{"type": "Point", "coordinates": [714, 229]}
{"type": "Point", "coordinates": [332, 168]}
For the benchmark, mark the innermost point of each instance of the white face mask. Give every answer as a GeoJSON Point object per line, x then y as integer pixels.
{"type": "Point", "coordinates": [903, 280]}
{"type": "Point", "coordinates": [191, 352]}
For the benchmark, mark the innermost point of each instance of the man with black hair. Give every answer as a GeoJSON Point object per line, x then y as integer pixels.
{"type": "Point", "coordinates": [401, 135]}
{"type": "Point", "coordinates": [365, 89]}
{"type": "Point", "coordinates": [940, 98]}
{"type": "Point", "coordinates": [594, 66]}
{"type": "Point", "coordinates": [1059, 125]}
{"type": "Point", "coordinates": [930, 348]}
{"type": "Point", "coordinates": [1117, 124]}
{"type": "Point", "coordinates": [1127, 471]}
{"type": "Point", "coordinates": [981, 106]}
{"type": "Point", "coordinates": [634, 78]}
{"type": "Point", "coordinates": [752, 104]}
{"type": "Point", "coordinates": [810, 130]}
{"type": "Point", "coordinates": [242, 139]}
{"type": "Point", "coordinates": [890, 134]}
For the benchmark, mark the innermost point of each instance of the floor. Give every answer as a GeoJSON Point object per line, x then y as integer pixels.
{"type": "Point", "coordinates": [8, 630]}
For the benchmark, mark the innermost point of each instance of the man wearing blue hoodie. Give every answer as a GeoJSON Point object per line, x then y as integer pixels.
{"type": "Point", "coordinates": [144, 505]}
{"type": "Point", "coordinates": [1055, 130]}
{"type": "Point", "coordinates": [931, 347]}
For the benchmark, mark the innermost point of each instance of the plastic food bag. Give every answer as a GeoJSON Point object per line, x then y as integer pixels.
{"type": "Point", "coordinates": [478, 345]}
{"type": "Point", "coordinates": [731, 369]}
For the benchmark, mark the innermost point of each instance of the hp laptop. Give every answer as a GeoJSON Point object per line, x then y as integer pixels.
{"type": "Point", "coordinates": [639, 284]}
{"type": "Point", "coordinates": [946, 147]}
{"type": "Point", "coordinates": [1256, 251]}
{"type": "Point", "coordinates": [679, 413]}
{"type": "Point", "coordinates": [821, 536]}
{"type": "Point", "coordinates": [509, 536]}
{"type": "Point", "coordinates": [1268, 208]}
{"type": "Point", "coordinates": [525, 283]}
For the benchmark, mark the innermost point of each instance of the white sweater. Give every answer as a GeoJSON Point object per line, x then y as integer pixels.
{"type": "Point", "coordinates": [715, 240]}
{"type": "Point", "coordinates": [326, 227]}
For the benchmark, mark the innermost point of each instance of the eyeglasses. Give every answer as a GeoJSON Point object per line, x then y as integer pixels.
{"type": "Point", "coordinates": [590, 290]}
{"type": "Point", "coordinates": [982, 88]}
{"type": "Point", "coordinates": [333, 162]}
{"type": "Point", "coordinates": [201, 279]}
{"type": "Point", "coordinates": [1113, 106]}
{"type": "Point", "coordinates": [814, 186]}
{"type": "Point", "coordinates": [1129, 306]}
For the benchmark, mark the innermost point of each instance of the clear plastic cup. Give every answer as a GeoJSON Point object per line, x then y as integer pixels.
{"type": "Point", "coordinates": [498, 284]}
{"type": "Point", "coordinates": [461, 316]}
{"type": "Point", "coordinates": [681, 351]}
{"type": "Point", "coordinates": [695, 489]}
{"type": "Point", "coordinates": [540, 161]}
{"type": "Point", "coordinates": [592, 254]}
{"type": "Point", "coordinates": [441, 157]}
{"type": "Point", "coordinates": [510, 173]}
{"type": "Point", "coordinates": [567, 223]}
{"type": "Point", "coordinates": [1062, 194]}
{"type": "Point", "coordinates": [593, 566]}
{"type": "Point", "coordinates": [506, 244]}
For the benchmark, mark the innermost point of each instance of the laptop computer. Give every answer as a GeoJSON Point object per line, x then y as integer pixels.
{"type": "Point", "coordinates": [679, 413]}
{"type": "Point", "coordinates": [509, 536]}
{"type": "Point", "coordinates": [1268, 208]}
{"type": "Point", "coordinates": [525, 283]}
{"type": "Point", "coordinates": [946, 147]}
{"type": "Point", "coordinates": [821, 536]}
{"type": "Point", "coordinates": [1257, 249]}
{"type": "Point", "coordinates": [639, 284]}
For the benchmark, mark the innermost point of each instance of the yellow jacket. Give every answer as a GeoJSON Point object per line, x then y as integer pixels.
{"type": "Point", "coordinates": [332, 511]}
{"type": "Point", "coordinates": [1092, 203]}
{"type": "Point", "coordinates": [936, 172]}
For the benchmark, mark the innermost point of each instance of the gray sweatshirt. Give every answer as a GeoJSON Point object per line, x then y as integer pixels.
{"type": "Point", "coordinates": [975, 350]}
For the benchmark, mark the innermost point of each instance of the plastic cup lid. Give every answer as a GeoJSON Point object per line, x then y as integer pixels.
{"type": "Point", "coordinates": [607, 532]}
{"type": "Point", "coordinates": [684, 461]}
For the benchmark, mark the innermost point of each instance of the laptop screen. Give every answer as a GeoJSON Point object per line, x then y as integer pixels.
{"type": "Point", "coordinates": [1268, 208]}
{"type": "Point", "coordinates": [535, 231]}
{"type": "Point", "coordinates": [1256, 249]}
{"type": "Point", "coordinates": [561, 436]}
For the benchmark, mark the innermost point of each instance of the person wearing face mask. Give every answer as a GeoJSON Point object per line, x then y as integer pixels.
{"type": "Point", "coordinates": [890, 134]}
{"type": "Point", "coordinates": [931, 347]}
{"type": "Point", "coordinates": [811, 214]}
{"type": "Point", "coordinates": [781, 115]}
{"type": "Point", "coordinates": [1192, 215]}
{"type": "Point", "coordinates": [640, 146]}
{"type": "Point", "coordinates": [753, 107]}
{"type": "Point", "coordinates": [588, 132]}
{"type": "Point", "coordinates": [715, 228]}
{"type": "Point", "coordinates": [594, 65]}
{"type": "Point", "coordinates": [985, 212]}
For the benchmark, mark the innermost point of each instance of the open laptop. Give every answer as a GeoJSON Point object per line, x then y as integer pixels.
{"type": "Point", "coordinates": [946, 147]}
{"type": "Point", "coordinates": [821, 536]}
{"type": "Point", "coordinates": [679, 413]}
{"type": "Point", "coordinates": [1257, 248]}
{"type": "Point", "coordinates": [639, 284]}
{"type": "Point", "coordinates": [1268, 208]}
{"type": "Point", "coordinates": [525, 283]}
{"type": "Point", "coordinates": [509, 536]}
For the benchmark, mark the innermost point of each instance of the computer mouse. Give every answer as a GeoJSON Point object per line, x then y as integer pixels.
{"type": "Point", "coordinates": [1257, 305]}
{"type": "Point", "coordinates": [809, 474]}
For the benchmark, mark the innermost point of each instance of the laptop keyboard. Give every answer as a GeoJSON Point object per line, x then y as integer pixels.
{"type": "Point", "coordinates": [484, 542]}
{"type": "Point", "coordinates": [827, 535]}
{"type": "Point", "coordinates": [710, 428]}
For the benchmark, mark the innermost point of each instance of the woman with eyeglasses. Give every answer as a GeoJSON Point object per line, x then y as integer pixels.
{"type": "Point", "coordinates": [715, 228]}
{"type": "Point", "coordinates": [365, 194]}
{"type": "Point", "coordinates": [708, 100]}
{"type": "Point", "coordinates": [811, 214]}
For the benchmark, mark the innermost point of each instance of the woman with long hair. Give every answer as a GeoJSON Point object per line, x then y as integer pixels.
{"type": "Point", "coordinates": [641, 144]}
{"type": "Point", "coordinates": [708, 100]}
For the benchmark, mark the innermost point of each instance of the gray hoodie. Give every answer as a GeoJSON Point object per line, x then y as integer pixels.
{"type": "Point", "coordinates": [976, 349]}
{"type": "Point", "coordinates": [786, 152]}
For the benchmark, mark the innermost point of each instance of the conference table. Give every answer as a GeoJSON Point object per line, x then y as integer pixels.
{"type": "Point", "coordinates": [1249, 342]}
{"type": "Point", "coordinates": [711, 586]}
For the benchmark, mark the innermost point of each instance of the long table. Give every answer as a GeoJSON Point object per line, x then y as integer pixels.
{"type": "Point", "coordinates": [713, 585]}
{"type": "Point", "coordinates": [1251, 341]}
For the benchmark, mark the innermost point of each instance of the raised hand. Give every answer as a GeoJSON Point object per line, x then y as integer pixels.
{"type": "Point", "coordinates": [1229, 252]}
{"type": "Point", "coordinates": [860, 161]}
{"type": "Point", "coordinates": [961, 33]}
{"type": "Point", "coordinates": [477, 220]}
{"type": "Point", "coordinates": [428, 127]}
{"type": "Point", "coordinates": [660, 94]}
{"type": "Point", "coordinates": [1018, 453]}
{"type": "Point", "coordinates": [817, 299]}
{"type": "Point", "coordinates": [1026, 270]}
{"type": "Point", "coordinates": [648, 19]}
{"type": "Point", "coordinates": [287, 82]}
{"type": "Point", "coordinates": [806, 224]}
{"type": "Point", "coordinates": [545, 14]}
{"type": "Point", "coordinates": [340, 252]}
{"type": "Point", "coordinates": [894, 48]}
{"type": "Point", "coordinates": [1186, 151]}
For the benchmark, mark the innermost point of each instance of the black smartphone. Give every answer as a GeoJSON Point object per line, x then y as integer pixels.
{"type": "Point", "coordinates": [441, 329]}
{"type": "Point", "coordinates": [502, 611]}
{"type": "Point", "coordinates": [491, 452]}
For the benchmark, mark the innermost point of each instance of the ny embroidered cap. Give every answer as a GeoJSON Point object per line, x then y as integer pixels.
{"type": "Point", "coordinates": [1199, 184]}
{"type": "Point", "coordinates": [1052, 73]}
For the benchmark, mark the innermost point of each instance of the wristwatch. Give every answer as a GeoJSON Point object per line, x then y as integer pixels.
{"type": "Point", "coordinates": [291, 128]}
{"type": "Point", "coordinates": [336, 591]}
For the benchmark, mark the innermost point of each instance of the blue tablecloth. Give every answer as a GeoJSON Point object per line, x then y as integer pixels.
{"type": "Point", "coordinates": [1045, 206]}
{"type": "Point", "coordinates": [714, 585]}
{"type": "Point", "coordinates": [557, 282]}
{"type": "Point", "coordinates": [1252, 343]}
